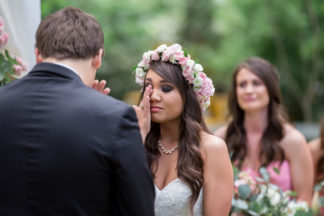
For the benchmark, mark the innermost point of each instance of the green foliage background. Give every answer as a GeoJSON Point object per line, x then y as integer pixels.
{"type": "Point", "coordinates": [220, 34]}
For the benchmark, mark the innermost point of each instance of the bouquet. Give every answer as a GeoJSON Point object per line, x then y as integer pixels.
{"type": "Point", "coordinates": [258, 197]}
{"type": "Point", "coordinates": [318, 203]}
{"type": "Point", "coordinates": [10, 67]}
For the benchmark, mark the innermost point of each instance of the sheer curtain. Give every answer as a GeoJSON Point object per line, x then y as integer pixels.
{"type": "Point", "coordinates": [21, 19]}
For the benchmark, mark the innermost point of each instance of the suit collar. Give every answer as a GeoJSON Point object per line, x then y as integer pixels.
{"type": "Point", "coordinates": [56, 70]}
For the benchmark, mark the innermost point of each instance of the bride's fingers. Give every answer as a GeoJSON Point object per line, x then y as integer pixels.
{"type": "Point", "coordinates": [101, 85]}
{"type": "Point", "coordinates": [147, 104]}
{"type": "Point", "coordinates": [148, 91]}
{"type": "Point", "coordinates": [106, 91]}
{"type": "Point", "coordinates": [146, 98]}
{"type": "Point", "coordinates": [143, 108]}
{"type": "Point", "coordinates": [95, 85]}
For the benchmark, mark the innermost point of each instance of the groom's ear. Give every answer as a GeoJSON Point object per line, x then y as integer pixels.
{"type": "Point", "coordinates": [96, 60]}
{"type": "Point", "coordinates": [39, 57]}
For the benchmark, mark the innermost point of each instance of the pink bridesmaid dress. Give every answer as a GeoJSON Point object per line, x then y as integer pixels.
{"type": "Point", "coordinates": [282, 180]}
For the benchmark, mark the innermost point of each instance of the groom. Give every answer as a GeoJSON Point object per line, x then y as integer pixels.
{"type": "Point", "coordinates": [66, 149]}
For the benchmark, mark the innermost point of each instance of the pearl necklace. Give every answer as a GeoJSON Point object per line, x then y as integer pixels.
{"type": "Point", "coordinates": [167, 151]}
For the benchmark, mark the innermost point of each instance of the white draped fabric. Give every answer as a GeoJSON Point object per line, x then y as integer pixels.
{"type": "Point", "coordinates": [21, 19]}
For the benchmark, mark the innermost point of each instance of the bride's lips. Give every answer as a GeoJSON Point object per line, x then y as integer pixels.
{"type": "Point", "coordinates": [155, 108]}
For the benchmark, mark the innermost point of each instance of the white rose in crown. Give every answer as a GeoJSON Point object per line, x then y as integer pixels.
{"type": "Point", "coordinates": [198, 68]}
{"type": "Point", "coordinates": [162, 48]}
{"type": "Point", "coordinates": [140, 72]}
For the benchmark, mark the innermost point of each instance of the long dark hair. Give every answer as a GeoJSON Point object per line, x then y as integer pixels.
{"type": "Point", "coordinates": [190, 162]}
{"type": "Point", "coordinates": [274, 132]}
{"type": "Point", "coordinates": [320, 163]}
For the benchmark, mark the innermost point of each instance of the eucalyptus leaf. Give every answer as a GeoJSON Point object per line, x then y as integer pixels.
{"type": "Point", "coordinates": [301, 213]}
{"type": "Point", "coordinates": [253, 197]}
{"type": "Point", "coordinates": [321, 201]}
{"type": "Point", "coordinates": [259, 179]}
{"type": "Point", "coordinates": [276, 170]}
{"type": "Point", "coordinates": [253, 213]}
{"type": "Point", "coordinates": [255, 206]}
{"type": "Point", "coordinates": [241, 204]}
{"type": "Point", "coordinates": [318, 187]}
{"type": "Point", "coordinates": [264, 173]}
{"type": "Point", "coordinates": [244, 191]}
{"type": "Point", "coordinates": [292, 193]}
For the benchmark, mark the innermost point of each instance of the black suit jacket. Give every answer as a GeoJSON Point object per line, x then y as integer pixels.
{"type": "Point", "coordinates": [66, 149]}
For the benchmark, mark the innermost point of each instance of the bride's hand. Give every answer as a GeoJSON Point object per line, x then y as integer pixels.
{"type": "Point", "coordinates": [100, 87]}
{"type": "Point", "coordinates": [143, 113]}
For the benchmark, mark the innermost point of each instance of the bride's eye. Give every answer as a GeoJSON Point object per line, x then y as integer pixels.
{"type": "Point", "coordinates": [166, 88]}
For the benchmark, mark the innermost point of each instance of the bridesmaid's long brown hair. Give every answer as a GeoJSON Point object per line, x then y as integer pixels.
{"type": "Point", "coordinates": [236, 134]}
{"type": "Point", "coordinates": [190, 162]}
{"type": "Point", "coordinates": [320, 164]}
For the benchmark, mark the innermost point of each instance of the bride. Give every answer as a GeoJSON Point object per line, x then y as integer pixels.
{"type": "Point", "coordinates": [191, 167]}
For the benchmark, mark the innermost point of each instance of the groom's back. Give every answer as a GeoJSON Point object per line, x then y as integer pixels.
{"type": "Point", "coordinates": [58, 140]}
{"type": "Point", "coordinates": [66, 149]}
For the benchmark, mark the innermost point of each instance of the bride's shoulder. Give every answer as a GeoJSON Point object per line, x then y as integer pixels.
{"type": "Point", "coordinates": [221, 131]}
{"type": "Point", "coordinates": [212, 145]}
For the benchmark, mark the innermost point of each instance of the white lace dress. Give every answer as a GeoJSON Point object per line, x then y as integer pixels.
{"type": "Point", "coordinates": [173, 200]}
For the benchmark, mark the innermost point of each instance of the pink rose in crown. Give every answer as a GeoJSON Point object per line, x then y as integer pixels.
{"type": "Point", "coordinates": [189, 70]}
{"type": "Point", "coordinates": [175, 48]}
{"type": "Point", "coordinates": [187, 73]}
{"type": "Point", "coordinates": [202, 75]}
{"type": "Point", "coordinates": [147, 57]}
{"type": "Point", "coordinates": [141, 64]}
{"type": "Point", "coordinates": [182, 60]}
{"type": "Point", "coordinates": [155, 56]}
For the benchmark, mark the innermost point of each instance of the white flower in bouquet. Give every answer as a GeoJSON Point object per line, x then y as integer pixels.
{"type": "Point", "coordinates": [272, 192]}
{"type": "Point", "coordinates": [241, 204]}
{"type": "Point", "coordinates": [294, 206]}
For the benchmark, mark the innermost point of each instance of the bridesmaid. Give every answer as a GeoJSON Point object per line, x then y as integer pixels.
{"type": "Point", "coordinates": [258, 134]}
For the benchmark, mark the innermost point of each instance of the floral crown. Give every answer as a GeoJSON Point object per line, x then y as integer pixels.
{"type": "Point", "coordinates": [192, 72]}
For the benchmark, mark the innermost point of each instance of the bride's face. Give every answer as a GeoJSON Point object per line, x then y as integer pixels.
{"type": "Point", "coordinates": [165, 101]}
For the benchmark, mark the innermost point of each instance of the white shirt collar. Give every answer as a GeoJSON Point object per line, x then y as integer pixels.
{"type": "Point", "coordinates": [64, 65]}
